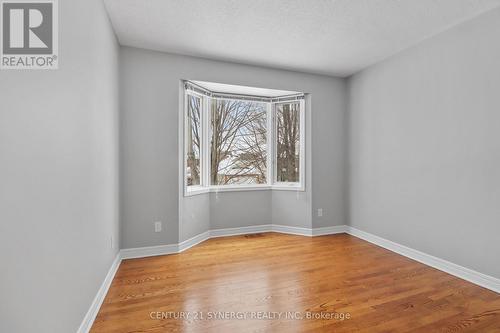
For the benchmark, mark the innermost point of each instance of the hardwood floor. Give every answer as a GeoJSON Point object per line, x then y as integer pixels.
{"type": "Point", "coordinates": [263, 274]}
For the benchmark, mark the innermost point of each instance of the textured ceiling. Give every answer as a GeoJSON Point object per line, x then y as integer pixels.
{"type": "Point", "coordinates": [334, 37]}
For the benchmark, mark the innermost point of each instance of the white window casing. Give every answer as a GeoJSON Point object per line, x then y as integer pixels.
{"type": "Point", "coordinates": [271, 137]}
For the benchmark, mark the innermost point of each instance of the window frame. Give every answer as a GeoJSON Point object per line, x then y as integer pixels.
{"type": "Point", "coordinates": [300, 185]}
{"type": "Point", "coordinates": [271, 159]}
{"type": "Point", "coordinates": [200, 188]}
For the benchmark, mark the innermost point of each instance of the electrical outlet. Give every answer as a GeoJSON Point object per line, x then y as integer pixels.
{"type": "Point", "coordinates": [320, 212]}
{"type": "Point", "coordinates": [158, 226]}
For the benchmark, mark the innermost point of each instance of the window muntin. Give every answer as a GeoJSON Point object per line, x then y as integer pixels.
{"type": "Point", "coordinates": [193, 140]}
{"type": "Point", "coordinates": [248, 134]}
{"type": "Point", "coordinates": [287, 118]}
{"type": "Point", "coordinates": [238, 145]}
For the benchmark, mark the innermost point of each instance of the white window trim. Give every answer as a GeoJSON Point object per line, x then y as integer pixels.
{"type": "Point", "coordinates": [272, 184]}
{"type": "Point", "coordinates": [291, 186]}
{"type": "Point", "coordinates": [194, 189]}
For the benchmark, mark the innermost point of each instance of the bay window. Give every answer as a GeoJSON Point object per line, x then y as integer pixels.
{"type": "Point", "coordinates": [237, 142]}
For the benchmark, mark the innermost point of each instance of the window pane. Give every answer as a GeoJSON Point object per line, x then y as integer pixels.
{"type": "Point", "coordinates": [288, 142]}
{"type": "Point", "coordinates": [193, 132]}
{"type": "Point", "coordinates": [238, 143]}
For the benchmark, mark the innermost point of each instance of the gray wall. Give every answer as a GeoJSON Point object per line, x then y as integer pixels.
{"type": "Point", "coordinates": [240, 209]}
{"type": "Point", "coordinates": [425, 146]}
{"type": "Point", "coordinates": [59, 177]}
{"type": "Point", "coordinates": [150, 138]}
{"type": "Point", "coordinates": [194, 216]}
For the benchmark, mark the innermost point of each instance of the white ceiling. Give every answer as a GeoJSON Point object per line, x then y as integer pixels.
{"type": "Point", "coordinates": [334, 37]}
{"type": "Point", "coordinates": [243, 90]}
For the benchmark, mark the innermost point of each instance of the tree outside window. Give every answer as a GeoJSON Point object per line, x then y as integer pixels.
{"type": "Point", "coordinates": [238, 151]}
{"type": "Point", "coordinates": [287, 142]}
{"type": "Point", "coordinates": [193, 131]}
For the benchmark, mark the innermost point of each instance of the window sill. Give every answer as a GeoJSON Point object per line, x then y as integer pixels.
{"type": "Point", "coordinates": [217, 189]}
{"type": "Point", "coordinates": [195, 190]}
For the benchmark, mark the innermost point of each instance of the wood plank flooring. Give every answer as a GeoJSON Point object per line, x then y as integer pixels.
{"type": "Point", "coordinates": [256, 277]}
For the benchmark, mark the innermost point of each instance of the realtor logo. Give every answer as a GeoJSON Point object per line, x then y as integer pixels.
{"type": "Point", "coordinates": [29, 34]}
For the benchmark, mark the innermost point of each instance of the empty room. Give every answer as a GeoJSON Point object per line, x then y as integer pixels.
{"type": "Point", "coordinates": [249, 166]}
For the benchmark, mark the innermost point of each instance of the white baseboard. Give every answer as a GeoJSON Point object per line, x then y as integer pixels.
{"type": "Point", "coordinates": [159, 250]}
{"type": "Point", "coordinates": [470, 275]}
{"type": "Point", "coordinates": [89, 318]}
{"type": "Point", "coordinates": [285, 229]}
{"type": "Point", "coordinates": [149, 251]}
{"type": "Point", "coordinates": [336, 229]}
{"type": "Point", "coordinates": [189, 243]}
{"type": "Point", "coordinates": [240, 231]}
